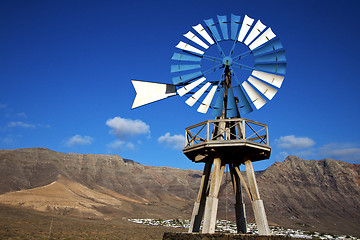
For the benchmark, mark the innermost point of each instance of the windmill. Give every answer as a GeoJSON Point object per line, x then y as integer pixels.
{"type": "Point", "coordinates": [229, 66]}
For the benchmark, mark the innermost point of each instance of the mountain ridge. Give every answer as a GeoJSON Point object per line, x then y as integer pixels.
{"type": "Point", "coordinates": [313, 195]}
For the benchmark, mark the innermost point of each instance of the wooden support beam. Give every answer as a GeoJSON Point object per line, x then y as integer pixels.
{"type": "Point", "coordinates": [243, 181]}
{"type": "Point", "coordinates": [239, 205]}
{"type": "Point", "coordinates": [257, 203]}
{"type": "Point", "coordinates": [199, 205]}
{"type": "Point", "coordinates": [211, 204]}
{"type": "Point", "coordinates": [252, 180]}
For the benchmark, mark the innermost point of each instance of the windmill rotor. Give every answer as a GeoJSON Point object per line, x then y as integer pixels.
{"type": "Point", "coordinates": [245, 52]}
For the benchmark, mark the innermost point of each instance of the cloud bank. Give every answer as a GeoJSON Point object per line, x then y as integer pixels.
{"type": "Point", "coordinates": [347, 152]}
{"type": "Point", "coordinates": [304, 147]}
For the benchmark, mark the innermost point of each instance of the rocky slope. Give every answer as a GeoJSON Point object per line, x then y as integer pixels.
{"type": "Point", "coordinates": [150, 191]}
{"type": "Point", "coordinates": [321, 194]}
{"type": "Point", "coordinates": [314, 195]}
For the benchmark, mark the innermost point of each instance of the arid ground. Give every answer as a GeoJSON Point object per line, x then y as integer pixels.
{"type": "Point", "coordinates": [19, 223]}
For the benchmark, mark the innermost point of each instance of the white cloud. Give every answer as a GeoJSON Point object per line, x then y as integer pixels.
{"type": "Point", "coordinates": [303, 148]}
{"type": "Point", "coordinates": [20, 124]}
{"type": "Point", "coordinates": [176, 141]}
{"type": "Point", "coordinates": [293, 142]}
{"type": "Point", "coordinates": [3, 105]}
{"type": "Point", "coordinates": [119, 144]}
{"type": "Point", "coordinates": [124, 128]}
{"type": "Point", "coordinates": [349, 152]}
{"type": "Point", "coordinates": [78, 140]}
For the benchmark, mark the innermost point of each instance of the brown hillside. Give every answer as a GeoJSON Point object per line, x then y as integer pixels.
{"type": "Point", "coordinates": [314, 195]}
{"type": "Point", "coordinates": [321, 195]}
{"type": "Point", "coordinates": [63, 196]}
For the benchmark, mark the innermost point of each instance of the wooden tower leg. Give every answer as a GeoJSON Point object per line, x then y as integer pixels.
{"type": "Point", "coordinates": [212, 200]}
{"type": "Point", "coordinates": [239, 205]}
{"type": "Point", "coordinates": [257, 203]}
{"type": "Point", "coordinates": [199, 205]}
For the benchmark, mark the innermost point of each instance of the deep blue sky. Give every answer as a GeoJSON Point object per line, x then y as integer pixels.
{"type": "Point", "coordinates": [66, 66]}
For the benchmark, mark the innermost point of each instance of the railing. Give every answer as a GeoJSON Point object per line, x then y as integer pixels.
{"type": "Point", "coordinates": [233, 129]}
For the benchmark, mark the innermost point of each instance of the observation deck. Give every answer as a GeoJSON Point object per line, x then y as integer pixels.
{"type": "Point", "coordinates": [234, 139]}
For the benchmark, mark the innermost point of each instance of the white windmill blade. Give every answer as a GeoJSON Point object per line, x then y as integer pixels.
{"type": "Point", "coordinates": [200, 29]}
{"type": "Point", "coordinates": [265, 89]}
{"type": "Point", "coordinates": [192, 100]}
{"type": "Point", "coordinates": [204, 106]}
{"type": "Point", "coordinates": [273, 79]}
{"type": "Point", "coordinates": [192, 37]}
{"type": "Point", "coordinates": [266, 36]}
{"type": "Point", "coordinates": [255, 97]}
{"type": "Point", "coordinates": [188, 47]}
{"type": "Point", "coordinates": [258, 28]}
{"type": "Point", "coordinates": [182, 91]}
{"type": "Point", "coordinates": [247, 22]}
{"type": "Point", "coordinates": [148, 92]}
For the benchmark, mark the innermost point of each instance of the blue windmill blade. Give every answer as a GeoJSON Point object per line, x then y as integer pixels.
{"type": "Point", "coordinates": [244, 104]}
{"type": "Point", "coordinates": [218, 107]}
{"type": "Point", "coordinates": [178, 68]}
{"type": "Point", "coordinates": [235, 22]}
{"type": "Point", "coordinates": [223, 26]}
{"type": "Point", "coordinates": [210, 23]}
{"type": "Point", "coordinates": [271, 57]}
{"type": "Point", "coordinates": [186, 78]}
{"type": "Point", "coordinates": [270, 46]}
{"type": "Point", "coordinates": [279, 68]}
{"type": "Point", "coordinates": [185, 57]}
{"type": "Point", "coordinates": [231, 108]}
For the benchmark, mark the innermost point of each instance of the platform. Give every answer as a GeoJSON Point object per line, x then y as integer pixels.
{"type": "Point", "coordinates": [235, 139]}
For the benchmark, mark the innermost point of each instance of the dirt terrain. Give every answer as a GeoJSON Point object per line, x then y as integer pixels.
{"type": "Point", "coordinates": [20, 223]}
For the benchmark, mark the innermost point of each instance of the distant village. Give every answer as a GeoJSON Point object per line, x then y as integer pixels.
{"type": "Point", "coordinates": [226, 226]}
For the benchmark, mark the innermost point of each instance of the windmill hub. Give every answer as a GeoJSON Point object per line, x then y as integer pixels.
{"type": "Point", "coordinates": [227, 61]}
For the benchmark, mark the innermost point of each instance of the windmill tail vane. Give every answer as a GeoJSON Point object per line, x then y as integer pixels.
{"type": "Point", "coordinates": [249, 50]}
